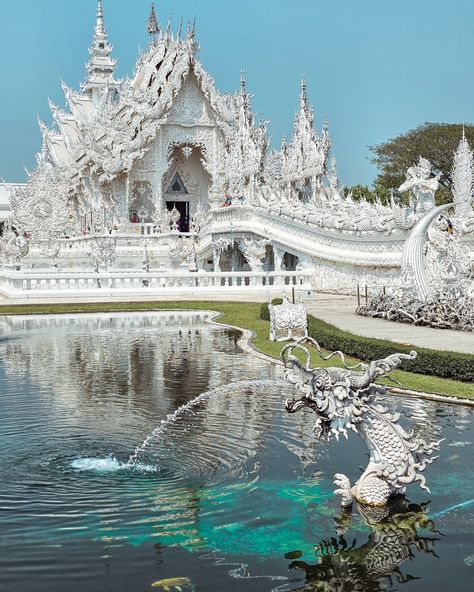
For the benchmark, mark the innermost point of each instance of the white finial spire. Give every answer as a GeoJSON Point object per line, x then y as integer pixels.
{"type": "Point", "coordinates": [463, 177]}
{"type": "Point", "coordinates": [242, 80]}
{"type": "Point", "coordinates": [153, 26]}
{"type": "Point", "coordinates": [100, 30]}
{"type": "Point", "coordinates": [304, 94]}
{"type": "Point", "coordinates": [305, 109]}
{"type": "Point", "coordinates": [101, 67]}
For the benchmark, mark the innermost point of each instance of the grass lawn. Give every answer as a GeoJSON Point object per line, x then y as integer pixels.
{"type": "Point", "coordinates": [246, 316]}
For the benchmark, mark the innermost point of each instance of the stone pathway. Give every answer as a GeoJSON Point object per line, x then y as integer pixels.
{"type": "Point", "coordinates": [340, 311]}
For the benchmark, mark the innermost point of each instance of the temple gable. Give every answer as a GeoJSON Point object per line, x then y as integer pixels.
{"type": "Point", "coordinates": [190, 106]}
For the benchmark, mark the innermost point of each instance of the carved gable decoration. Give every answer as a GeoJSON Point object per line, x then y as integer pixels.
{"type": "Point", "coordinates": [190, 106]}
{"type": "Point", "coordinates": [177, 185]}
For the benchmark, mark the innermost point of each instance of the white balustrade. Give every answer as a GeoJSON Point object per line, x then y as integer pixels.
{"type": "Point", "coordinates": [31, 284]}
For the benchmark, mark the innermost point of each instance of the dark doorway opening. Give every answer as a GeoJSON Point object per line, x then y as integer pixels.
{"type": "Point", "coordinates": [183, 209]}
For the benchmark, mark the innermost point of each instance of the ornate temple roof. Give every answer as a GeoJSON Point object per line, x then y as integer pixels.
{"type": "Point", "coordinates": [110, 124]}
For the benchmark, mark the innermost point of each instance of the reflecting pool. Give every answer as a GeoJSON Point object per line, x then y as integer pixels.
{"type": "Point", "coordinates": [104, 487]}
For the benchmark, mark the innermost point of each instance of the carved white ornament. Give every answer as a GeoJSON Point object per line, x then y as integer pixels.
{"type": "Point", "coordinates": [287, 321]}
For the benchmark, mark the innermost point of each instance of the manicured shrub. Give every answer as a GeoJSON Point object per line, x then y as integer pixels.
{"type": "Point", "coordinates": [452, 365]}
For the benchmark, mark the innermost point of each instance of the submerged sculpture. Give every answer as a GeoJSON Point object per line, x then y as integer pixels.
{"type": "Point", "coordinates": [345, 399]}
{"type": "Point", "coordinates": [287, 321]}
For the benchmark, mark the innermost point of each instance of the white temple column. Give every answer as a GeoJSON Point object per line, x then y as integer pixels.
{"type": "Point", "coordinates": [278, 255]}
{"type": "Point", "coordinates": [216, 255]}
{"type": "Point", "coordinates": [127, 197]}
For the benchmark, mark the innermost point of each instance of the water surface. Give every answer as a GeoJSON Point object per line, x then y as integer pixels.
{"type": "Point", "coordinates": [229, 496]}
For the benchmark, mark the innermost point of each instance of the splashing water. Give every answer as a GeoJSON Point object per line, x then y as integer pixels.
{"type": "Point", "coordinates": [111, 465]}
{"type": "Point", "coordinates": [172, 417]}
{"type": "Point", "coordinates": [108, 464]}
{"type": "Point", "coordinates": [442, 513]}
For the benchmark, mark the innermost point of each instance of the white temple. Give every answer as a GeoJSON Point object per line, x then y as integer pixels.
{"type": "Point", "coordinates": [160, 182]}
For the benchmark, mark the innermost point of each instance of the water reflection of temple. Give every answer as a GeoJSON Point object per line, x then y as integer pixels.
{"type": "Point", "coordinates": [133, 369]}
{"type": "Point", "coordinates": [131, 356]}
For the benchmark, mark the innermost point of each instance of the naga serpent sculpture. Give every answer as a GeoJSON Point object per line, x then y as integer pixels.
{"type": "Point", "coordinates": [345, 399]}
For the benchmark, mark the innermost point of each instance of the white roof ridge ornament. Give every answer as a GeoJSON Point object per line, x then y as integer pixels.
{"type": "Point", "coordinates": [153, 27]}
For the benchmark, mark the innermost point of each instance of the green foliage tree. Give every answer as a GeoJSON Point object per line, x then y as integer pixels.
{"type": "Point", "coordinates": [362, 192]}
{"type": "Point", "coordinates": [434, 141]}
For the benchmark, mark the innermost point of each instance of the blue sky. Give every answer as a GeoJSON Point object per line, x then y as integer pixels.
{"type": "Point", "coordinates": [375, 68]}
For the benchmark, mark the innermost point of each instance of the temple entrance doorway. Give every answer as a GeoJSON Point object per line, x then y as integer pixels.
{"type": "Point", "coordinates": [183, 209]}
{"type": "Point", "coordinates": [186, 182]}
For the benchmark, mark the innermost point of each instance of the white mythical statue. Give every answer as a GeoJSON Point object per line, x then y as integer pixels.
{"type": "Point", "coordinates": [254, 250]}
{"type": "Point", "coordinates": [13, 246]}
{"type": "Point", "coordinates": [422, 184]}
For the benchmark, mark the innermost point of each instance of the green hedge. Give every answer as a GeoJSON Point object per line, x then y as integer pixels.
{"type": "Point", "coordinates": [452, 365]}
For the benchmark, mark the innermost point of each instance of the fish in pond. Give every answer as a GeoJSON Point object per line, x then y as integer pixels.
{"type": "Point", "coordinates": [293, 555]}
{"type": "Point", "coordinates": [174, 584]}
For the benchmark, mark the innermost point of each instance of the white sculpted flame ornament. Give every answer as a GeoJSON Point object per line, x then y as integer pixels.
{"type": "Point", "coordinates": [343, 400]}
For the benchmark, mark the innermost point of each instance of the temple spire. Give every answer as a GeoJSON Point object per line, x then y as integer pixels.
{"type": "Point", "coordinates": [244, 100]}
{"type": "Point", "coordinates": [100, 67]}
{"type": "Point", "coordinates": [242, 81]}
{"type": "Point", "coordinates": [100, 27]}
{"type": "Point", "coordinates": [305, 109]}
{"type": "Point", "coordinates": [303, 93]}
{"type": "Point", "coordinates": [153, 26]}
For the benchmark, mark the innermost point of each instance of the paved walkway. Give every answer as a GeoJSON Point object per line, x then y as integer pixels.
{"type": "Point", "coordinates": [337, 310]}
{"type": "Point", "coordinates": [340, 311]}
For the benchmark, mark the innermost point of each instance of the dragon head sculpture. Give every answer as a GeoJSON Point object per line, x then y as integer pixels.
{"type": "Point", "coordinates": [336, 395]}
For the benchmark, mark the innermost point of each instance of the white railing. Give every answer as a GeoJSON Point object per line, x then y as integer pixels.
{"type": "Point", "coordinates": [27, 284]}
{"type": "Point", "coordinates": [298, 236]}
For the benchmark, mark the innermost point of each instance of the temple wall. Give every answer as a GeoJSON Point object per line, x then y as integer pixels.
{"type": "Point", "coordinates": [142, 182]}
{"type": "Point", "coordinates": [338, 278]}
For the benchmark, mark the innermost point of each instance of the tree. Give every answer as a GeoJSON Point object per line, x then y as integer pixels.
{"type": "Point", "coordinates": [435, 141]}
{"type": "Point", "coordinates": [362, 192]}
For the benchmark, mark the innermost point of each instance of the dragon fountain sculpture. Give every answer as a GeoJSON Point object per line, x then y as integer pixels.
{"type": "Point", "coordinates": [347, 399]}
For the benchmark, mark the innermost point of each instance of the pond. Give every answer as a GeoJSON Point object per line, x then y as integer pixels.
{"type": "Point", "coordinates": [103, 488]}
